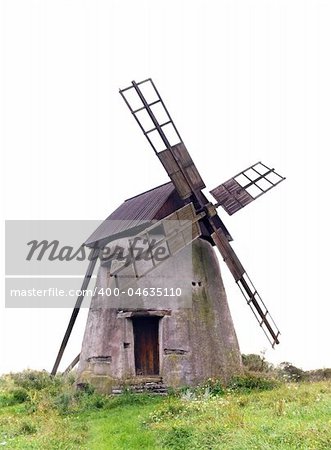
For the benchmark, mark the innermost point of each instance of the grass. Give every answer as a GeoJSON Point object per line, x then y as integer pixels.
{"type": "Point", "coordinates": [292, 416]}
{"type": "Point", "coordinates": [37, 412]}
{"type": "Point", "coordinates": [122, 427]}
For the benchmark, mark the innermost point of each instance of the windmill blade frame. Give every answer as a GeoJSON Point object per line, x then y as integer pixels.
{"type": "Point", "coordinates": [169, 146]}
{"type": "Point", "coordinates": [245, 187]}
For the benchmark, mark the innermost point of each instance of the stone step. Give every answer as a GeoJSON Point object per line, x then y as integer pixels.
{"type": "Point", "coordinates": [141, 388]}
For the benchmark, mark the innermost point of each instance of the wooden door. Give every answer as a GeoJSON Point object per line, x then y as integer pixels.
{"type": "Point", "coordinates": [146, 345]}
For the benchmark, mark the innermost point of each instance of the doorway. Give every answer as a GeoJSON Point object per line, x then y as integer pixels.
{"type": "Point", "coordinates": [146, 345]}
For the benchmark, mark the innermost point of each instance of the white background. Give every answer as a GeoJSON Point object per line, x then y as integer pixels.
{"type": "Point", "coordinates": [244, 81]}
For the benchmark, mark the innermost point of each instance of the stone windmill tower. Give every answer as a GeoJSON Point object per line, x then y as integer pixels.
{"type": "Point", "coordinates": [160, 311]}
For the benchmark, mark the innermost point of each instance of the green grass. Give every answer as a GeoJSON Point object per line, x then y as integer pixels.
{"type": "Point", "coordinates": [122, 427]}
{"type": "Point", "coordinates": [293, 416]}
{"type": "Point", "coordinates": [47, 414]}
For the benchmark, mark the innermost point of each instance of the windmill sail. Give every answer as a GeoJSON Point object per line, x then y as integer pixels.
{"type": "Point", "coordinates": [246, 187]}
{"type": "Point", "coordinates": [152, 116]}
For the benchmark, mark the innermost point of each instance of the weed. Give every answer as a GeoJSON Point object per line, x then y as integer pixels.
{"type": "Point", "coordinates": [280, 407]}
{"type": "Point", "coordinates": [27, 428]}
{"type": "Point", "coordinates": [20, 395]}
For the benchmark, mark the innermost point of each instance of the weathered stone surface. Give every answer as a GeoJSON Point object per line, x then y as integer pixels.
{"type": "Point", "coordinates": [195, 343]}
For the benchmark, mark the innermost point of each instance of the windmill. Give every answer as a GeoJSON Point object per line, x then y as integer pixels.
{"type": "Point", "coordinates": [181, 199]}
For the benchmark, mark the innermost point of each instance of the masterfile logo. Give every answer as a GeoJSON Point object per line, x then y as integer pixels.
{"type": "Point", "coordinates": [46, 263]}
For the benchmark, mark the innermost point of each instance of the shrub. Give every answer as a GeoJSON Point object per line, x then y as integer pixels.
{"type": "Point", "coordinates": [32, 379]}
{"type": "Point", "coordinates": [288, 372]}
{"type": "Point", "coordinates": [73, 401]}
{"type": "Point", "coordinates": [86, 388]}
{"type": "Point", "coordinates": [256, 363]}
{"type": "Point", "coordinates": [318, 375]}
{"type": "Point", "coordinates": [92, 401]}
{"type": "Point", "coordinates": [64, 402]}
{"type": "Point", "coordinates": [252, 381]}
{"type": "Point", "coordinates": [19, 395]}
{"type": "Point", "coordinates": [13, 396]}
{"type": "Point", "coordinates": [214, 386]}
{"type": "Point", "coordinates": [6, 400]}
